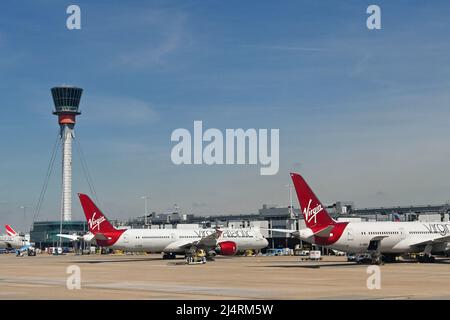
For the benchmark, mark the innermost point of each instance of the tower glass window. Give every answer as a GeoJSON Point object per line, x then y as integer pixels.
{"type": "Point", "coordinates": [66, 99]}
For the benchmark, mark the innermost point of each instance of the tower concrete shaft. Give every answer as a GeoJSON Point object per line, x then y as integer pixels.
{"type": "Point", "coordinates": [67, 134]}
{"type": "Point", "coordinates": [67, 100]}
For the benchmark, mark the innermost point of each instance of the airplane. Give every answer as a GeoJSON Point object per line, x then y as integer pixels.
{"type": "Point", "coordinates": [169, 241]}
{"type": "Point", "coordinates": [384, 241]}
{"type": "Point", "coordinates": [13, 240]}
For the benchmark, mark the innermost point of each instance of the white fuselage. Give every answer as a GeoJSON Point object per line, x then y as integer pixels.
{"type": "Point", "coordinates": [12, 242]}
{"type": "Point", "coordinates": [396, 237]}
{"type": "Point", "coordinates": [173, 240]}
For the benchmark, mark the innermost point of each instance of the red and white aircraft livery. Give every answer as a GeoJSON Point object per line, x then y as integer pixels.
{"type": "Point", "coordinates": [10, 231]}
{"type": "Point", "coordinates": [12, 240]}
{"type": "Point", "coordinates": [381, 239]}
{"type": "Point", "coordinates": [169, 241]}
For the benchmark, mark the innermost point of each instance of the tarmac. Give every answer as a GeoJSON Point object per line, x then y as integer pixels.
{"type": "Point", "coordinates": [277, 277]}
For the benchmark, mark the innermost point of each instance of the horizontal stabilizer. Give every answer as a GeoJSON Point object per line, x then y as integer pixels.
{"type": "Point", "coordinates": [101, 236]}
{"type": "Point", "coordinates": [325, 232]}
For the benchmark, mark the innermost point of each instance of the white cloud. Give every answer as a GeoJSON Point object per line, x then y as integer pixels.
{"type": "Point", "coordinates": [117, 110]}
{"type": "Point", "coordinates": [282, 47]}
{"type": "Point", "coordinates": [161, 40]}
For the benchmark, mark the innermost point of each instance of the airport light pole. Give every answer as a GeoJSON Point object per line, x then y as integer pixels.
{"type": "Point", "coordinates": [145, 208]}
{"type": "Point", "coordinates": [24, 211]}
{"type": "Point", "coordinates": [291, 213]}
{"type": "Point", "coordinates": [291, 209]}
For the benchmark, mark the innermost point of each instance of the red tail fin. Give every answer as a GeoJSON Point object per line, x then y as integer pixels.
{"type": "Point", "coordinates": [10, 231]}
{"type": "Point", "coordinates": [315, 214]}
{"type": "Point", "coordinates": [97, 222]}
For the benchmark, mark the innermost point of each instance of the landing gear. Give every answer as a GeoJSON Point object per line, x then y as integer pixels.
{"type": "Point", "coordinates": [169, 256]}
{"type": "Point", "coordinates": [210, 257]}
{"type": "Point", "coordinates": [389, 258]}
{"type": "Point", "coordinates": [375, 253]}
{"type": "Point", "coordinates": [426, 258]}
{"type": "Point", "coordinates": [377, 259]}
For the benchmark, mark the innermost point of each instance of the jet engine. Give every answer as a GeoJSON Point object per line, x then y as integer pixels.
{"type": "Point", "coordinates": [226, 248]}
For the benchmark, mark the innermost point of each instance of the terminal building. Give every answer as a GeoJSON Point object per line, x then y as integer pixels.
{"type": "Point", "coordinates": [44, 233]}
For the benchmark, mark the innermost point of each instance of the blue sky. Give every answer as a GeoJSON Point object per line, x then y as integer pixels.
{"type": "Point", "coordinates": [363, 115]}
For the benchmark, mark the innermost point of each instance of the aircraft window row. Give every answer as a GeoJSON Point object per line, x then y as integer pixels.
{"type": "Point", "coordinates": [154, 237]}
{"type": "Point", "coordinates": [422, 232]}
{"type": "Point", "coordinates": [196, 237]}
{"type": "Point", "coordinates": [380, 232]}
{"type": "Point", "coordinates": [226, 236]}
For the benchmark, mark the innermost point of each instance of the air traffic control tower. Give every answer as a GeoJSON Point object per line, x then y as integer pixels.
{"type": "Point", "coordinates": [67, 101]}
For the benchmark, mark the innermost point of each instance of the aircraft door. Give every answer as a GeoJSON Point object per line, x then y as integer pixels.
{"type": "Point", "coordinates": [402, 233]}
{"type": "Point", "coordinates": [350, 235]}
{"type": "Point", "coordinates": [125, 238]}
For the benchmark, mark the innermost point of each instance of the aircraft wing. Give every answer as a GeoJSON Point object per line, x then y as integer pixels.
{"type": "Point", "coordinates": [378, 238]}
{"type": "Point", "coordinates": [100, 236]}
{"type": "Point", "coordinates": [432, 241]}
{"type": "Point", "coordinates": [325, 232]}
{"type": "Point", "coordinates": [208, 242]}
